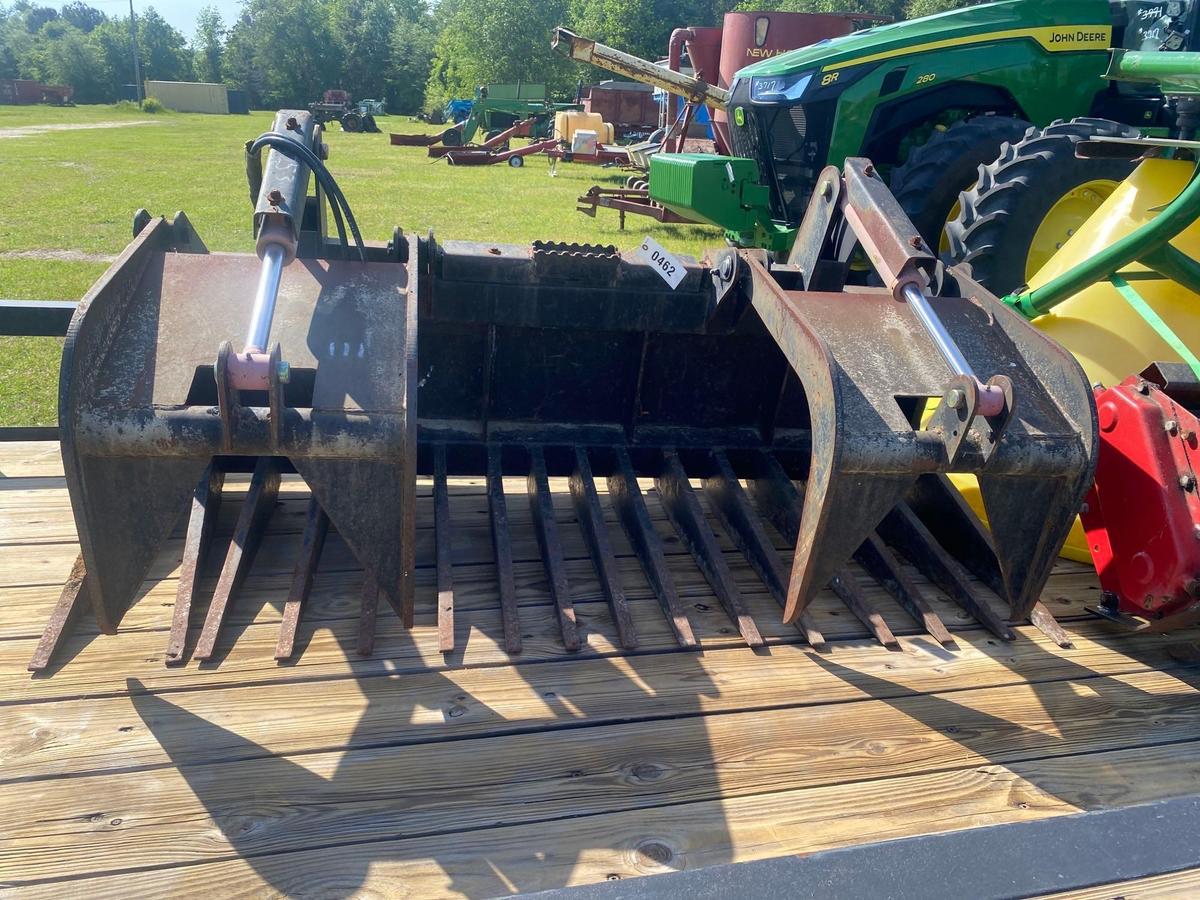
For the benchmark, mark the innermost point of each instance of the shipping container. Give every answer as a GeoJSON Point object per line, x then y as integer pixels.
{"type": "Point", "coordinates": [239, 102]}
{"type": "Point", "coordinates": [190, 96]}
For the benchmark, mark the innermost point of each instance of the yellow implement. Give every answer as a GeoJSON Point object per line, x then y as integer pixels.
{"type": "Point", "coordinates": [1106, 334]}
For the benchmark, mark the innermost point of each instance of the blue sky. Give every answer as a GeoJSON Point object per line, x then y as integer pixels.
{"type": "Point", "coordinates": [180, 13]}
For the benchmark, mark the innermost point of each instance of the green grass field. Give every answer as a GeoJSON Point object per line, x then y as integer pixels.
{"type": "Point", "coordinates": [68, 197]}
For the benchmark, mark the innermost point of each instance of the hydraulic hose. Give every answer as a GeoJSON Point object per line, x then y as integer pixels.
{"type": "Point", "coordinates": [337, 200]}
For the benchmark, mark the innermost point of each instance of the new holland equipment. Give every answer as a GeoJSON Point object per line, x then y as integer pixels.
{"type": "Point", "coordinates": [788, 395]}
{"type": "Point", "coordinates": [715, 55]}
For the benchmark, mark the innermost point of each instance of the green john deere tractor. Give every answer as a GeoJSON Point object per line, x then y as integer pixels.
{"type": "Point", "coordinates": [985, 104]}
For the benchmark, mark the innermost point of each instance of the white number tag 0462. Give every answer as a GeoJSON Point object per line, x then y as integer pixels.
{"type": "Point", "coordinates": [670, 269]}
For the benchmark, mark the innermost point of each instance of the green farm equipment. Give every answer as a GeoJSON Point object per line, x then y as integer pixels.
{"type": "Point", "coordinates": [930, 101]}
{"type": "Point", "coordinates": [492, 115]}
{"type": "Point", "coordinates": [336, 106]}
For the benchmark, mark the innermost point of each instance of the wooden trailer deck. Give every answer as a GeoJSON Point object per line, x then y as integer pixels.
{"type": "Point", "coordinates": [414, 774]}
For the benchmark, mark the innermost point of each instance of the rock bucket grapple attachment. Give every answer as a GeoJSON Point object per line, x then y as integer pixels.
{"type": "Point", "coordinates": [771, 394]}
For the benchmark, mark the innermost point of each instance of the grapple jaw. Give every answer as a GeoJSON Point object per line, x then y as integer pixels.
{"type": "Point", "coordinates": [143, 413]}
{"type": "Point", "coordinates": [893, 396]}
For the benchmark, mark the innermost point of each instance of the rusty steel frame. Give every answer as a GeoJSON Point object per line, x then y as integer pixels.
{"type": "Point", "coordinates": [632, 201]}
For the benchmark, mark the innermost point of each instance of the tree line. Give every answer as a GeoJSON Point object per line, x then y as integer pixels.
{"type": "Point", "coordinates": [412, 53]}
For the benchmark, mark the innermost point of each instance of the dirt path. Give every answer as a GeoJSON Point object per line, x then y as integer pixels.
{"type": "Point", "coordinates": [28, 130]}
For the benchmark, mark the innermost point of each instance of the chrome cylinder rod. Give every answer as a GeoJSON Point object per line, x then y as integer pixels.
{"type": "Point", "coordinates": [264, 298]}
{"type": "Point", "coordinates": [991, 398]}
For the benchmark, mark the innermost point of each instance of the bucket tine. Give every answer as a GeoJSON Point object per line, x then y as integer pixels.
{"type": "Point", "coordinates": [849, 590]}
{"type": "Point", "coordinates": [541, 503]}
{"type": "Point", "coordinates": [445, 556]}
{"type": "Point", "coordinates": [908, 534]}
{"type": "Point", "coordinates": [742, 524]}
{"type": "Point", "coordinates": [595, 533]}
{"type": "Point", "coordinates": [316, 527]}
{"type": "Point", "coordinates": [686, 515]}
{"type": "Point", "coordinates": [881, 563]}
{"type": "Point", "coordinates": [502, 547]}
{"type": "Point", "coordinates": [247, 534]}
{"type": "Point", "coordinates": [782, 505]}
{"type": "Point", "coordinates": [954, 525]}
{"type": "Point", "coordinates": [626, 497]}
{"type": "Point", "coordinates": [71, 601]}
{"type": "Point", "coordinates": [202, 520]}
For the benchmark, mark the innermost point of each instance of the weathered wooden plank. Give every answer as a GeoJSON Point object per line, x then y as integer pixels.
{"type": "Point", "coordinates": [56, 835]}
{"type": "Point", "coordinates": [99, 666]}
{"type": "Point", "coordinates": [636, 843]}
{"type": "Point", "coordinates": [30, 459]}
{"type": "Point", "coordinates": [1157, 887]}
{"type": "Point", "coordinates": [100, 734]}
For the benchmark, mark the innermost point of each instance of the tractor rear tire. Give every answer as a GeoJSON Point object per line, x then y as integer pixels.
{"type": "Point", "coordinates": [1030, 200]}
{"type": "Point", "coordinates": [352, 122]}
{"type": "Point", "coordinates": [927, 185]}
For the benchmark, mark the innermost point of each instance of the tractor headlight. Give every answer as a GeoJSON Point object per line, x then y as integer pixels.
{"type": "Point", "coordinates": [778, 88]}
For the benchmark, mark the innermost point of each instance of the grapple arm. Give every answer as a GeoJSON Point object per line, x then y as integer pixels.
{"type": "Point", "coordinates": [871, 361]}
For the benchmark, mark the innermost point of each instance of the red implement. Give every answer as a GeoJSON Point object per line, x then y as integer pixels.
{"type": "Point", "coordinates": [478, 156]}
{"type": "Point", "coordinates": [1143, 514]}
{"type": "Point", "coordinates": [425, 140]}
